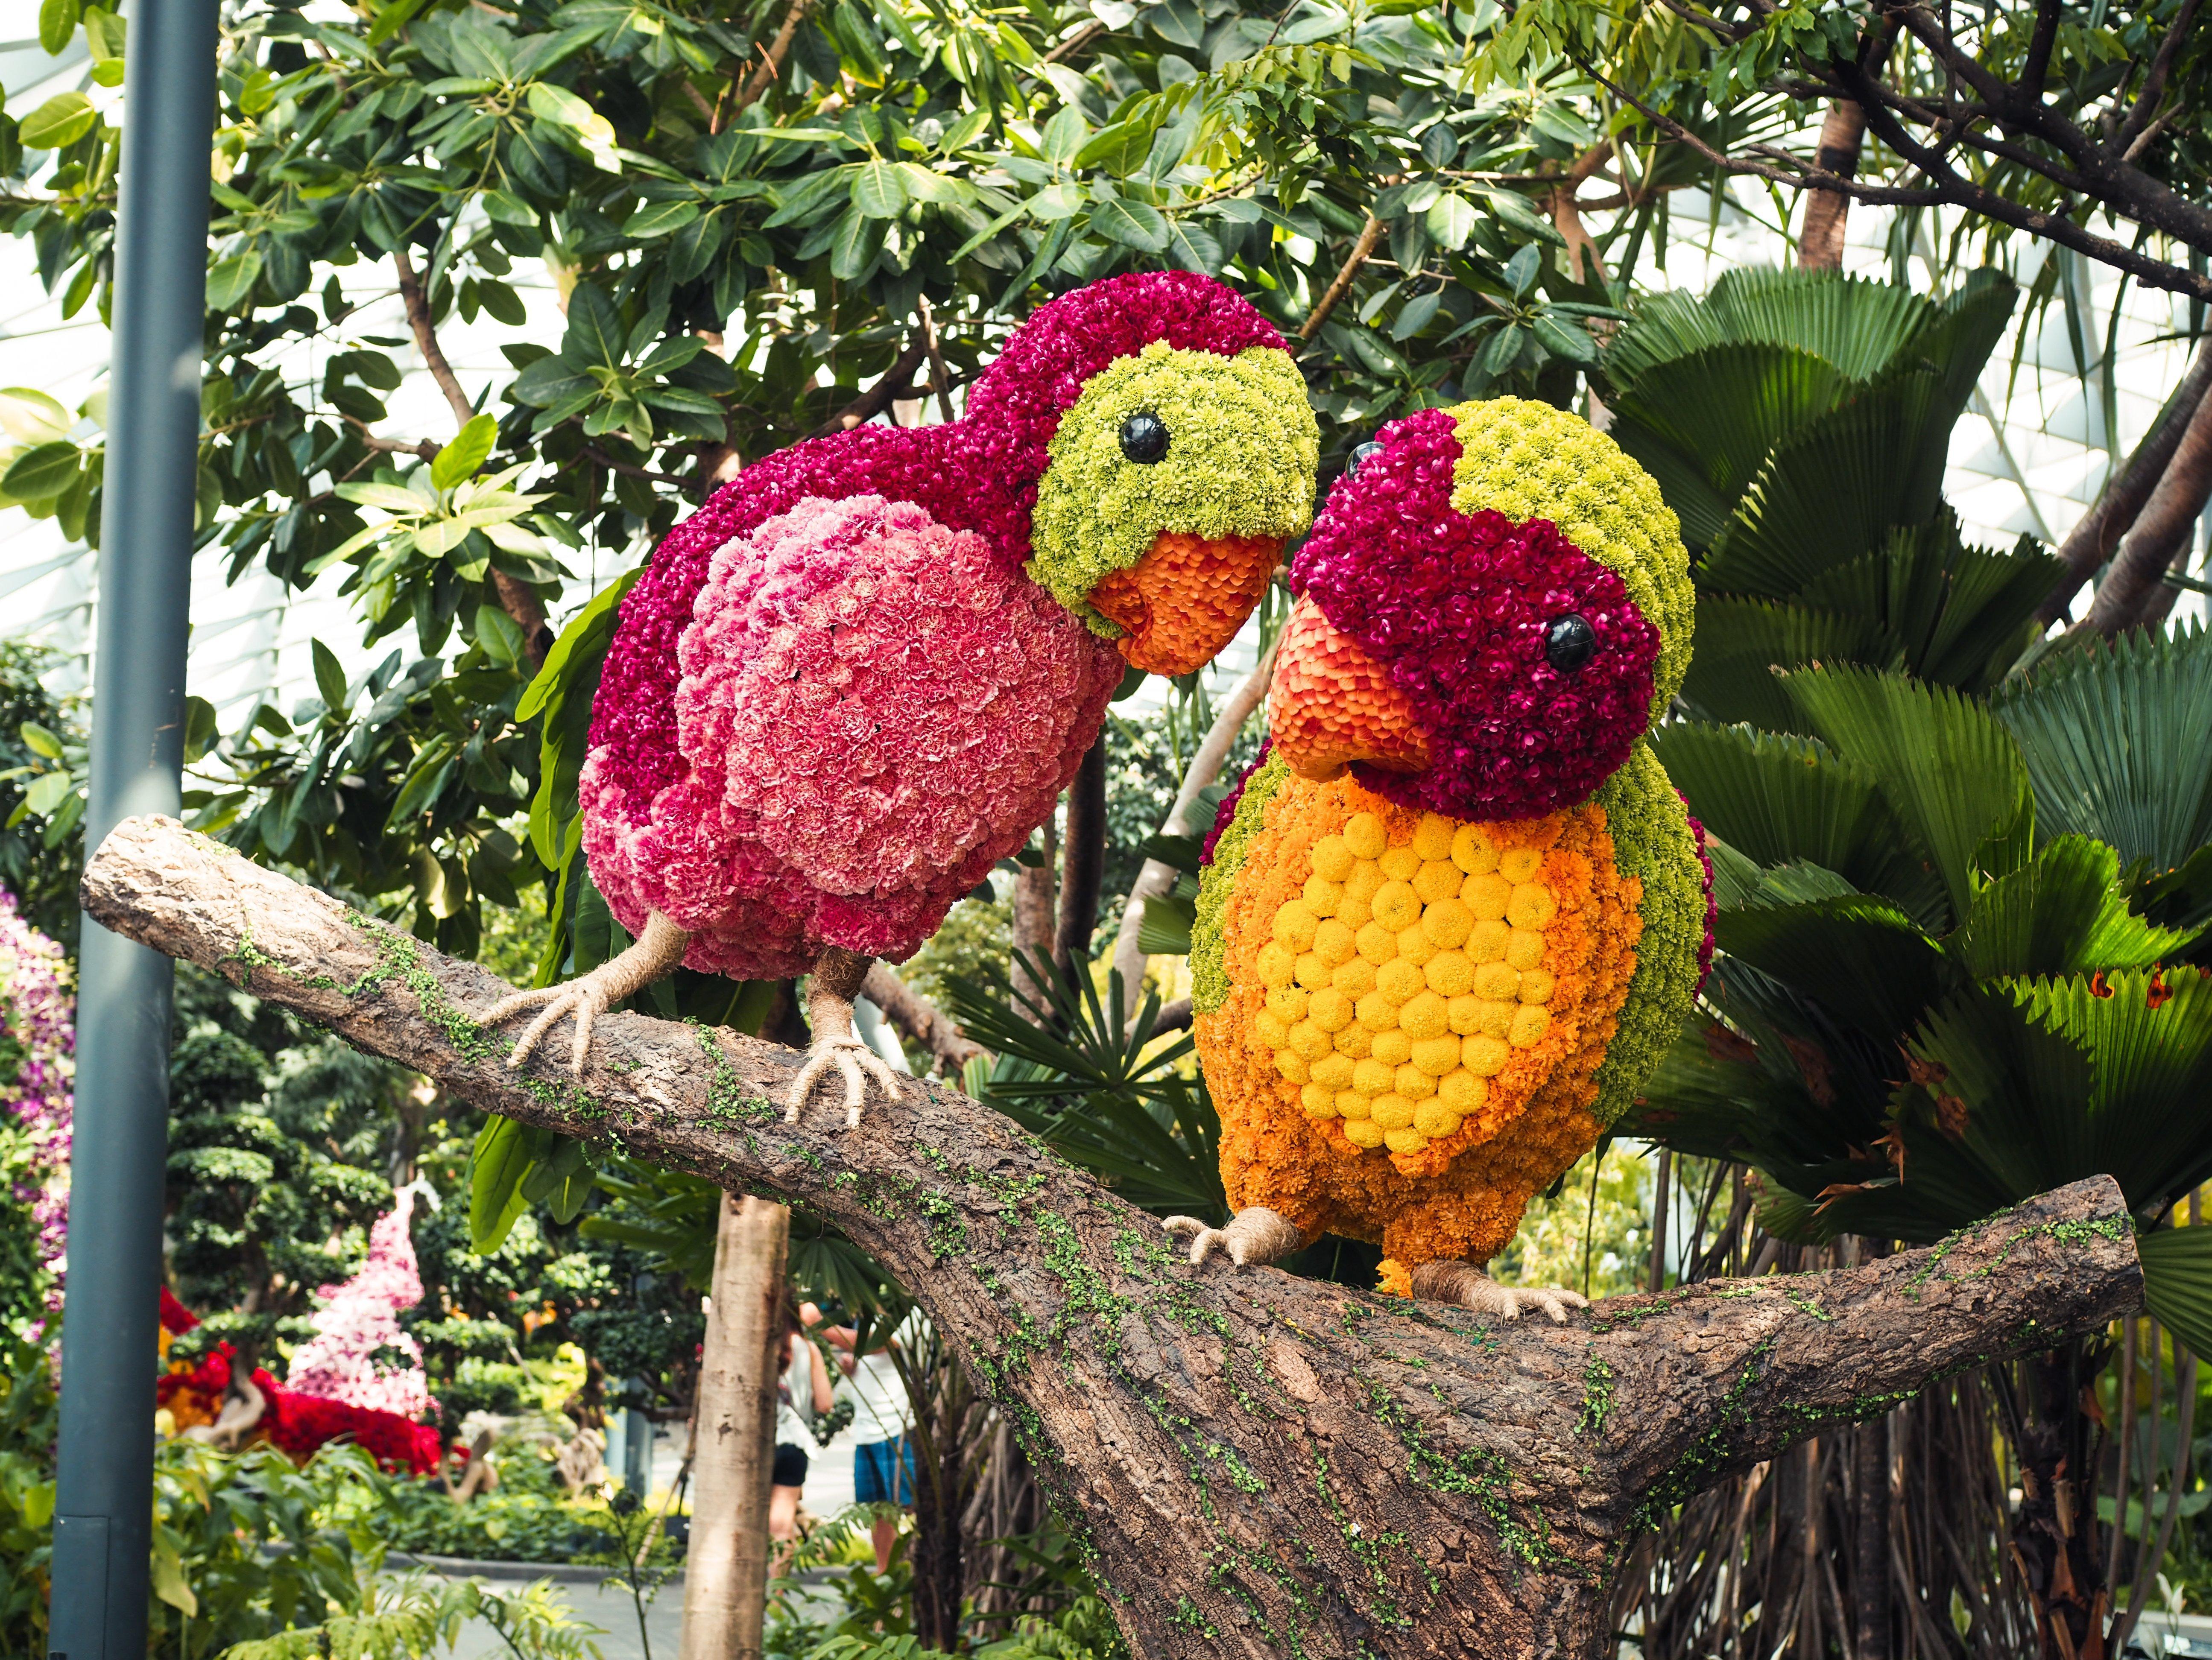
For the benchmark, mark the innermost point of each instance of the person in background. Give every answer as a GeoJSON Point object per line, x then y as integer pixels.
{"type": "Point", "coordinates": [803, 1394]}
{"type": "Point", "coordinates": [882, 1468]}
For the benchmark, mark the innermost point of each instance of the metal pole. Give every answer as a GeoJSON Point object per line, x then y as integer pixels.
{"type": "Point", "coordinates": [104, 1499]}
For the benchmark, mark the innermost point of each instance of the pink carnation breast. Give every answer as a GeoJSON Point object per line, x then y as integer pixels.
{"type": "Point", "coordinates": [873, 712]}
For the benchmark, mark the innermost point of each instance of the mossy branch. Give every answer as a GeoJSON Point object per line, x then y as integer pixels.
{"type": "Point", "coordinates": [1255, 1464]}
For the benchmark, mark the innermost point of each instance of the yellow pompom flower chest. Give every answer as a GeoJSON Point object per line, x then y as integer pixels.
{"type": "Point", "coordinates": [1402, 1017]}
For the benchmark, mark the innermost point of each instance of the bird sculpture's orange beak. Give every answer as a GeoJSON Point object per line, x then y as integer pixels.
{"type": "Point", "coordinates": [1185, 599]}
{"type": "Point", "coordinates": [1332, 704]}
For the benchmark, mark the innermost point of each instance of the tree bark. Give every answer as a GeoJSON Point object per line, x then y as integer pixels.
{"type": "Point", "coordinates": [517, 598]}
{"type": "Point", "coordinates": [919, 1019]}
{"type": "Point", "coordinates": [1082, 862]}
{"type": "Point", "coordinates": [726, 1570]}
{"type": "Point", "coordinates": [1034, 935]}
{"type": "Point", "coordinates": [2133, 594]}
{"type": "Point", "coordinates": [1259, 1464]}
{"type": "Point", "coordinates": [2091, 542]}
{"type": "Point", "coordinates": [1820, 241]}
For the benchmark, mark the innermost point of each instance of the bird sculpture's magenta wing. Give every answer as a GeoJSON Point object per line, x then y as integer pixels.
{"type": "Point", "coordinates": [869, 711]}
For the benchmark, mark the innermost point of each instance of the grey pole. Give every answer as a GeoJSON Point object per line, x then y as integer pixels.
{"type": "Point", "coordinates": [102, 1532]}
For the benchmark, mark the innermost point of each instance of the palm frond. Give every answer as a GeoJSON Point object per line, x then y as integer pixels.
{"type": "Point", "coordinates": [1779, 799]}
{"type": "Point", "coordinates": [2114, 737]}
{"type": "Point", "coordinates": [1952, 775]}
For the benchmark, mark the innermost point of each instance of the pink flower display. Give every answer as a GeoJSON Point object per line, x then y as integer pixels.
{"type": "Point", "coordinates": [358, 1318]}
{"type": "Point", "coordinates": [965, 696]}
{"type": "Point", "coordinates": [38, 1017]}
{"type": "Point", "coordinates": [1458, 606]}
{"type": "Point", "coordinates": [957, 696]}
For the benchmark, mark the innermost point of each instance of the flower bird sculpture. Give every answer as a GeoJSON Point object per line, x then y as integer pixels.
{"type": "Point", "coordinates": [861, 674]}
{"type": "Point", "coordinates": [1457, 911]}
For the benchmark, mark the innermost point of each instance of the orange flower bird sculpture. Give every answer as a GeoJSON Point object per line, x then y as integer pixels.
{"type": "Point", "coordinates": [1457, 911]}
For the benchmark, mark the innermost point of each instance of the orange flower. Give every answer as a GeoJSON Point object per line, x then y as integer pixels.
{"type": "Point", "coordinates": [1417, 1010]}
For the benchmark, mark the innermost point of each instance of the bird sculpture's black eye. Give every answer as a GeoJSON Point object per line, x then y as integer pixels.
{"type": "Point", "coordinates": [1568, 642]}
{"type": "Point", "coordinates": [1358, 456]}
{"type": "Point", "coordinates": [1145, 437]}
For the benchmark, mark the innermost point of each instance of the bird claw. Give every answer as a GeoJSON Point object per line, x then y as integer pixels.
{"type": "Point", "coordinates": [1204, 1240]}
{"type": "Point", "coordinates": [1255, 1236]}
{"type": "Point", "coordinates": [586, 999]}
{"type": "Point", "coordinates": [1470, 1288]}
{"type": "Point", "coordinates": [855, 1063]}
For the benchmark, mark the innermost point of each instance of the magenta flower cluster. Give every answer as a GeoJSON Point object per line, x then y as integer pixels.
{"type": "Point", "coordinates": [920, 706]}
{"type": "Point", "coordinates": [1225, 813]}
{"type": "Point", "coordinates": [1705, 876]}
{"type": "Point", "coordinates": [1456, 608]}
{"type": "Point", "coordinates": [358, 1318]}
{"type": "Point", "coordinates": [37, 1011]}
{"type": "Point", "coordinates": [977, 476]}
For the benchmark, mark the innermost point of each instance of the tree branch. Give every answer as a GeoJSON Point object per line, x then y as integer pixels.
{"type": "Point", "coordinates": [1369, 234]}
{"type": "Point", "coordinates": [425, 338]}
{"type": "Point", "coordinates": [1082, 862]}
{"type": "Point", "coordinates": [2091, 542]}
{"type": "Point", "coordinates": [897, 382]}
{"type": "Point", "coordinates": [1946, 187]}
{"type": "Point", "coordinates": [516, 598]}
{"type": "Point", "coordinates": [2133, 594]}
{"type": "Point", "coordinates": [771, 63]}
{"type": "Point", "coordinates": [919, 1019]}
{"type": "Point", "coordinates": [1260, 1464]}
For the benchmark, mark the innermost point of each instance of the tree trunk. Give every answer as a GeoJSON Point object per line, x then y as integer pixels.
{"type": "Point", "coordinates": [1035, 934]}
{"type": "Point", "coordinates": [1082, 862]}
{"type": "Point", "coordinates": [1820, 239]}
{"type": "Point", "coordinates": [921, 1020]}
{"type": "Point", "coordinates": [725, 1571]}
{"type": "Point", "coordinates": [2134, 594]}
{"type": "Point", "coordinates": [1259, 1465]}
{"type": "Point", "coordinates": [2090, 542]}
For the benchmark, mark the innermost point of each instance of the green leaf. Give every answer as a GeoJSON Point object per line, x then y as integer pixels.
{"type": "Point", "coordinates": [40, 741]}
{"type": "Point", "coordinates": [1952, 775]}
{"type": "Point", "coordinates": [440, 536]}
{"type": "Point", "coordinates": [58, 123]}
{"type": "Point", "coordinates": [330, 678]}
{"type": "Point", "coordinates": [33, 417]}
{"type": "Point", "coordinates": [47, 792]}
{"type": "Point", "coordinates": [395, 16]}
{"type": "Point", "coordinates": [1165, 928]}
{"type": "Point", "coordinates": [1781, 801]}
{"type": "Point", "coordinates": [2177, 1266]}
{"type": "Point", "coordinates": [56, 22]}
{"type": "Point", "coordinates": [1564, 339]}
{"type": "Point", "coordinates": [42, 470]}
{"type": "Point", "coordinates": [232, 280]}
{"type": "Point", "coordinates": [1134, 224]}
{"type": "Point", "coordinates": [391, 497]}
{"type": "Point", "coordinates": [504, 1154]}
{"type": "Point", "coordinates": [1450, 220]}
{"type": "Point", "coordinates": [170, 1585]}
{"type": "Point", "coordinates": [1121, 149]}
{"type": "Point", "coordinates": [878, 192]}
{"type": "Point", "coordinates": [660, 219]}
{"type": "Point", "coordinates": [471, 447]}
{"type": "Point", "coordinates": [1861, 958]}
{"type": "Point", "coordinates": [2114, 736]}
{"type": "Point", "coordinates": [1743, 642]}
{"type": "Point", "coordinates": [2062, 912]}
{"type": "Point", "coordinates": [853, 248]}
{"type": "Point", "coordinates": [595, 335]}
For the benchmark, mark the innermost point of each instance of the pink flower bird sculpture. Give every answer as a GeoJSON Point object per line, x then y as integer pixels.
{"type": "Point", "coordinates": [862, 673]}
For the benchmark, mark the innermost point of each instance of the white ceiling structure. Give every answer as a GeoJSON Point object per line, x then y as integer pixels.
{"type": "Point", "coordinates": [2029, 458]}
